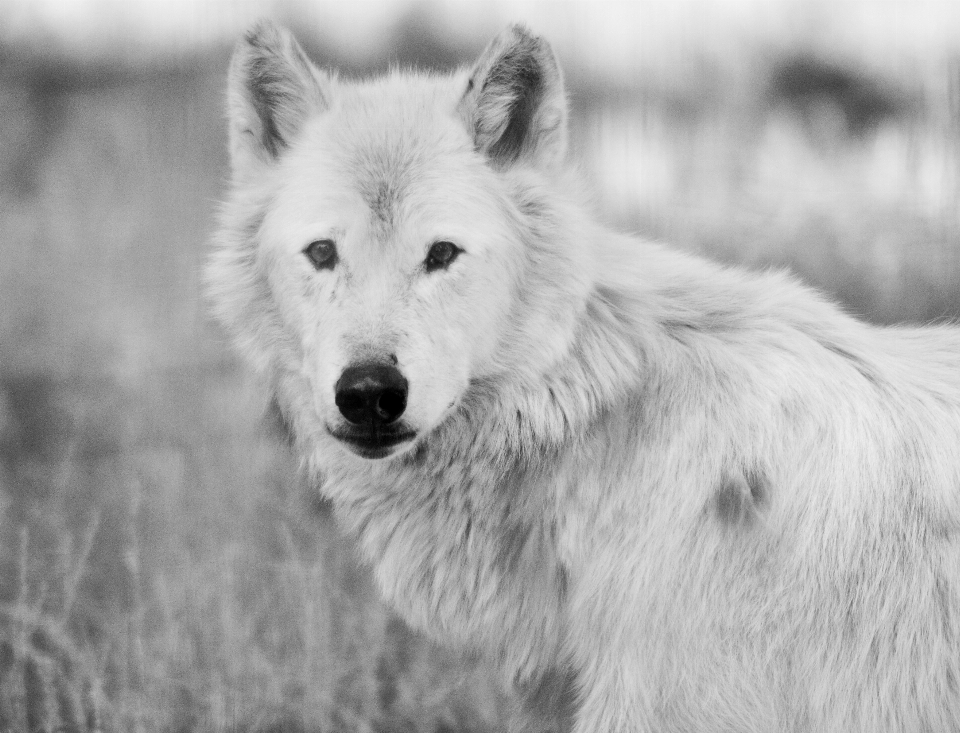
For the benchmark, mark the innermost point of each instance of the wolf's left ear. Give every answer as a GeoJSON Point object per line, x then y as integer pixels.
{"type": "Point", "coordinates": [272, 89]}
{"type": "Point", "coordinates": [514, 104]}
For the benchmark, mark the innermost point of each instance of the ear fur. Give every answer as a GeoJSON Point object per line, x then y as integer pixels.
{"type": "Point", "coordinates": [514, 105]}
{"type": "Point", "coordinates": [272, 89]}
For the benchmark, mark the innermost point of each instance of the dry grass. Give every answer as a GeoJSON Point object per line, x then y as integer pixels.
{"type": "Point", "coordinates": [162, 565]}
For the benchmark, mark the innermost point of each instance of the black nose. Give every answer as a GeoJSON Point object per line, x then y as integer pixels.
{"type": "Point", "coordinates": [371, 394]}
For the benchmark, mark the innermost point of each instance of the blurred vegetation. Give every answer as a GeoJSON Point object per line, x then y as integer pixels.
{"type": "Point", "coordinates": [163, 567]}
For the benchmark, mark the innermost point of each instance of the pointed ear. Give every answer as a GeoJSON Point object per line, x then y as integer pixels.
{"type": "Point", "coordinates": [272, 88]}
{"type": "Point", "coordinates": [514, 104]}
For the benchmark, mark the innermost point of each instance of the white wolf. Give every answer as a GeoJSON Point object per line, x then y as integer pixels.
{"type": "Point", "coordinates": [662, 495]}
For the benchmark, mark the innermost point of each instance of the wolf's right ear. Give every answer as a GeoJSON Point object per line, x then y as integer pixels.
{"type": "Point", "coordinates": [272, 88]}
{"type": "Point", "coordinates": [514, 104]}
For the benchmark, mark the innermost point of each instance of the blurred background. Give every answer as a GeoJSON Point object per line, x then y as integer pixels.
{"type": "Point", "coordinates": [163, 567]}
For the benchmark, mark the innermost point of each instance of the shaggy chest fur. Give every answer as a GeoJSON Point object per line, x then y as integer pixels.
{"type": "Point", "coordinates": [465, 547]}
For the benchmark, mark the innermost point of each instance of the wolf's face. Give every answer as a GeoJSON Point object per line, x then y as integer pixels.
{"type": "Point", "coordinates": [387, 252]}
{"type": "Point", "coordinates": [390, 261]}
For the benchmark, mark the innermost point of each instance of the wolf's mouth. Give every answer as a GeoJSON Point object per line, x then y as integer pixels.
{"type": "Point", "coordinates": [373, 443]}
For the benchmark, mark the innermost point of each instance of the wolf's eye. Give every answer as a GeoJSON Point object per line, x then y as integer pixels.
{"type": "Point", "coordinates": [322, 254]}
{"type": "Point", "coordinates": [440, 256]}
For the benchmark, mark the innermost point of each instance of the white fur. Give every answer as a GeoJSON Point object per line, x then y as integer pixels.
{"type": "Point", "coordinates": [693, 497]}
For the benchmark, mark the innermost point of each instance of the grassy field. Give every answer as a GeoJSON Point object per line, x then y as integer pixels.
{"type": "Point", "coordinates": [163, 565]}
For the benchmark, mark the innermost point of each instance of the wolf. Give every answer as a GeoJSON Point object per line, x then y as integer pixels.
{"type": "Point", "coordinates": [658, 493]}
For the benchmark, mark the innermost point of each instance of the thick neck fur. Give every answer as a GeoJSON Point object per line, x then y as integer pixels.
{"type": "Point", "coordinates": [479, 492]}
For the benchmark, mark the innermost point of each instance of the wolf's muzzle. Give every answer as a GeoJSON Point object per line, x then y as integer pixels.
{"type": "Point", "coordinates": [372, 397]}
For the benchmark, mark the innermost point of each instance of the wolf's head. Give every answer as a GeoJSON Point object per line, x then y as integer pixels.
{"type": "Point", "coordinates": [389, 243]}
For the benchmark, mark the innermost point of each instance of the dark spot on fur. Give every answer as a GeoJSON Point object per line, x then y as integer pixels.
{"type": "Point", "coordinates": [759, 486]}
{"type": "Point", "coordinates": [731, 503]}
{"type": "Point", "coordinates": [735, 502]}
{"type": "Point", "coordinates": [550, 703]}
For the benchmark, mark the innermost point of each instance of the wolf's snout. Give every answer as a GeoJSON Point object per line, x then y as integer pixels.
{"type": "Point", "coordinates": [371, 395]}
